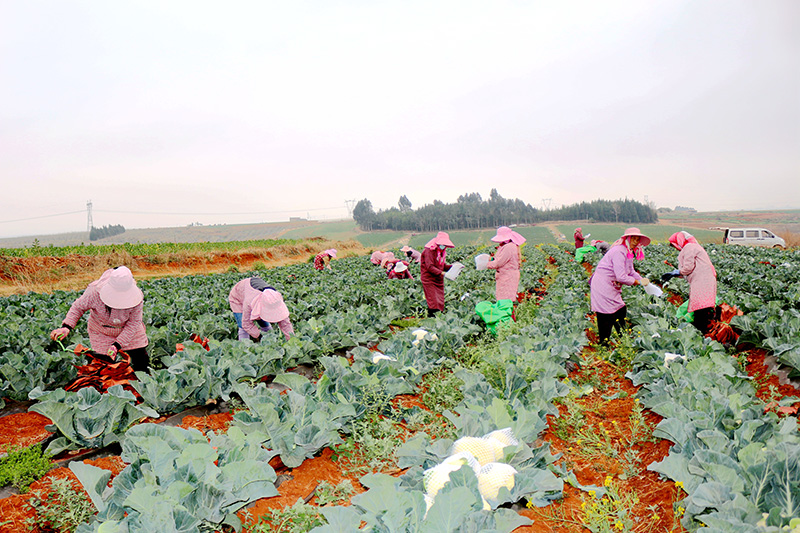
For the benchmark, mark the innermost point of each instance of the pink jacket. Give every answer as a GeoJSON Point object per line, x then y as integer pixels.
{"type": "Point", "coordinates": [696, 267]}
{"type": "Point", "coordinates": [506, 276]}
{"type": "Point", "coordinates": [381, 258]}
{"type": "Point", "coordinates": [242, 299]}
{"type": "Point", "coordinates": [106, 325]}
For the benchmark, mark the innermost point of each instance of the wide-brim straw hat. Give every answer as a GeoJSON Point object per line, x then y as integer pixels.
{"type": "Point", "coordinates": [331, 252]}
{"type": "Point", "coordinates": [406, 248]}
{"type": "Point", "coordinates": [400, 267]}
{"type": "Point", "coordinates": [644, 240]}
{"type": "Point", "coordinates": [505, 234]}
{"type": "Point", "coordinates": [441, 238]}
{"type": "Point", "coordinates": [120, 291]}
{"type": "Point", "coordinates": [271, 307]}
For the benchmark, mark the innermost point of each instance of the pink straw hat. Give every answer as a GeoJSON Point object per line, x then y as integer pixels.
{"type": "Point", "coordinates": [405, 248]}
{"type": "Point", "coordinates": [505, 234]}
{"type": "Point", "coordinates": [331, 252]}
{"type": "Point", "coordinates": [119, 291]}
{"type": "Point", "coordinates": [270, 307]}
{"type": "Point", "coordinates": [644, 240]}
{"type": "Point", "coordinates": [441, 238]}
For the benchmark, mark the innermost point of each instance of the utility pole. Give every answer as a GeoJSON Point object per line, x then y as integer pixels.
{"type": "Point", "coordinates": [350, 204]}
{"type": "Point", "coordinates": [546, 203]}
{"type": "Point", "coordinates": [89, 222]}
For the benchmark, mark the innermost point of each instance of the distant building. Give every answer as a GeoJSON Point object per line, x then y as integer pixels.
{"type": "Point", "coordinates": [297, 219]}
{"type": "Point", "coordinates": [682, 209]}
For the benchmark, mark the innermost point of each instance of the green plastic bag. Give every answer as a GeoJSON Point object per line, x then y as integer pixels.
{"type": "Point", "coordinates": [583, 250]}
{"type": "Point", "coordinates": [494, 313]}
{"type": "Point", "coordinates": [683, 312]}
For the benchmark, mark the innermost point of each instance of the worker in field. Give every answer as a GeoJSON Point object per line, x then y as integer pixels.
{"type": "Point", "coordinates": [379, 257]}
{"type": "Point", "coordinates": [323, 259]}
{"type": "Point", "coordinates": [600, 246]}
{"type": "Point", "coordinates": [433, 261]}
{"type": "Point", "coordinates": [399, 270]}
{"type": "Point", "coordinates": [506, 263]}
{"type": "Point", "coordinates": [255, 306]}
{"type": "Point", "coordinates": [594, 246]}
{"type": "Point", "coordinates": [579, 238]}
{"type": "Point", "coordinates": [412, 255]}
{"type": "Point", "coordinates": [695, 266]}
{"type": "Point", "coordinates": [115, 306]}
{"type": "Point", "coordinates": [614, 270]}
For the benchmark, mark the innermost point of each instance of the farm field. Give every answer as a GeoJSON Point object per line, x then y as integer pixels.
{"type": "Point", "coordinates": [785, 223]}
{"type": "Point", "coordinates": [49, 268]}
{"type": "Point", "coordinates": [357, 415]}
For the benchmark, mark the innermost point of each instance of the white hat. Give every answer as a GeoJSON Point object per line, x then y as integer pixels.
{"type": "Point", "coordinates": [119, 291]}
{"type": "Point", "coordinates": [400, 267]}
{"type": "Point", "coordinates": [270, 307]}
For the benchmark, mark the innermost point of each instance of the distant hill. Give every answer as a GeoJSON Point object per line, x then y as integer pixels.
{"type": "Point", "coordinates": [783, 222]}
{"type": "Point", "coordinates": [215, 233]}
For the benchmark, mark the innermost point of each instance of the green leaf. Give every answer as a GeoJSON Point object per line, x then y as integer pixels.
{"type": "Point", "coordinates": [94, 481]}
{"type": "Point", "coordinates": [449, 510]}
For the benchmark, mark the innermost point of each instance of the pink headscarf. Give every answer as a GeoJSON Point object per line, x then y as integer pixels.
{"type": "Point", "coordinates": [441, 238]}
{"type": "Point", "coordinates": [637, 252]}
{"type": "Point", "coordinates": [681, 239]}
{"type": "Point", "coordinates": [506, 234]}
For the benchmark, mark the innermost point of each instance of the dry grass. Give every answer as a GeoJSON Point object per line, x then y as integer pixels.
{"type": "Point", "coordinates": [48, 274]}
{"type": "Point", "coordinates": [792, 239]}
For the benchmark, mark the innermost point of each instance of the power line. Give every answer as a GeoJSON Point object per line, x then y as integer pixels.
{"type": "Point", "coordinates": [214, 214]}
{"type": "Point", "coordinates": [43, 216]}
{"type": "Point", "coordinates": [91, 210]}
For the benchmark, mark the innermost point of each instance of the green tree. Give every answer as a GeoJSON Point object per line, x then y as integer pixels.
{"type": "Point", "coordinates": [404, 203]}
{"type": "Point", "coordinates": [364, 215]}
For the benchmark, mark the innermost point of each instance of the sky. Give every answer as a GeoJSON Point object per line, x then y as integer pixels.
{"type": "Point", "coordinates": [171, 113]}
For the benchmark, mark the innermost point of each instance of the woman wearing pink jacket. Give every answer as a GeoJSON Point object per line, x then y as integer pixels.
{"type": "Point", "coordinates": [379, 257]}
{"type": "Point", "coordinates": [696, 267]}
{"type": "Point", "coordinates": [255, 305]}
{"type": "Point", "coordinates": [506, 263]}
{"type": "Point", "coordinates": [115, 306]}
{"type": "Point", "coordinates": [613, 271]}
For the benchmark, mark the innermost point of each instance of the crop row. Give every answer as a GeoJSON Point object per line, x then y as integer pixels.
{"type": "Point", "coordinates": [763, 283]}
{"type": "Point", "coordinates": [143, 249]}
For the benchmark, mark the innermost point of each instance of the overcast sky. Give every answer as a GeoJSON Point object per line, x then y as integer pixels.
{"type": "Point", "coordinates": [164, 113]}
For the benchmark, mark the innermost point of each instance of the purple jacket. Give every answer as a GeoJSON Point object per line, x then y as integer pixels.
{"type": "Point", "coordinates": [614, 270]}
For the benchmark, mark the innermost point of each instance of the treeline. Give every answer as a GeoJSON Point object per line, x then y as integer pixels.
{"type": "Point", "coordinates": [472, 211]}
{"type": "Point", "coordinates": [105, 231]}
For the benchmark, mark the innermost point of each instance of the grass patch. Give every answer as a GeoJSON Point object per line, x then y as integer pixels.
{"type": "Point", "coordinates": [23, 466]}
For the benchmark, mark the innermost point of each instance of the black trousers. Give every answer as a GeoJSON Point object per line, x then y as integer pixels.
{"type": "Point", "coordinates": [605, 321]}
{"type": "Point", "coordinates": [140, 360]}
{"type": "Point", "coordinates": [702, 319]}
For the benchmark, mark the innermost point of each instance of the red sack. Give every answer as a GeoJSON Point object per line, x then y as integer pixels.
{"type": "Point", "coordinates": [101, 372]}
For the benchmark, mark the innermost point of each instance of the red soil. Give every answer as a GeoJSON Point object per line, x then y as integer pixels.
{"type": "Point", "coordinates": [22, 430]}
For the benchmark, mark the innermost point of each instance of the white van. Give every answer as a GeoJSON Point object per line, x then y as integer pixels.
{"type": "Point", "coordinates": [752, 237]}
